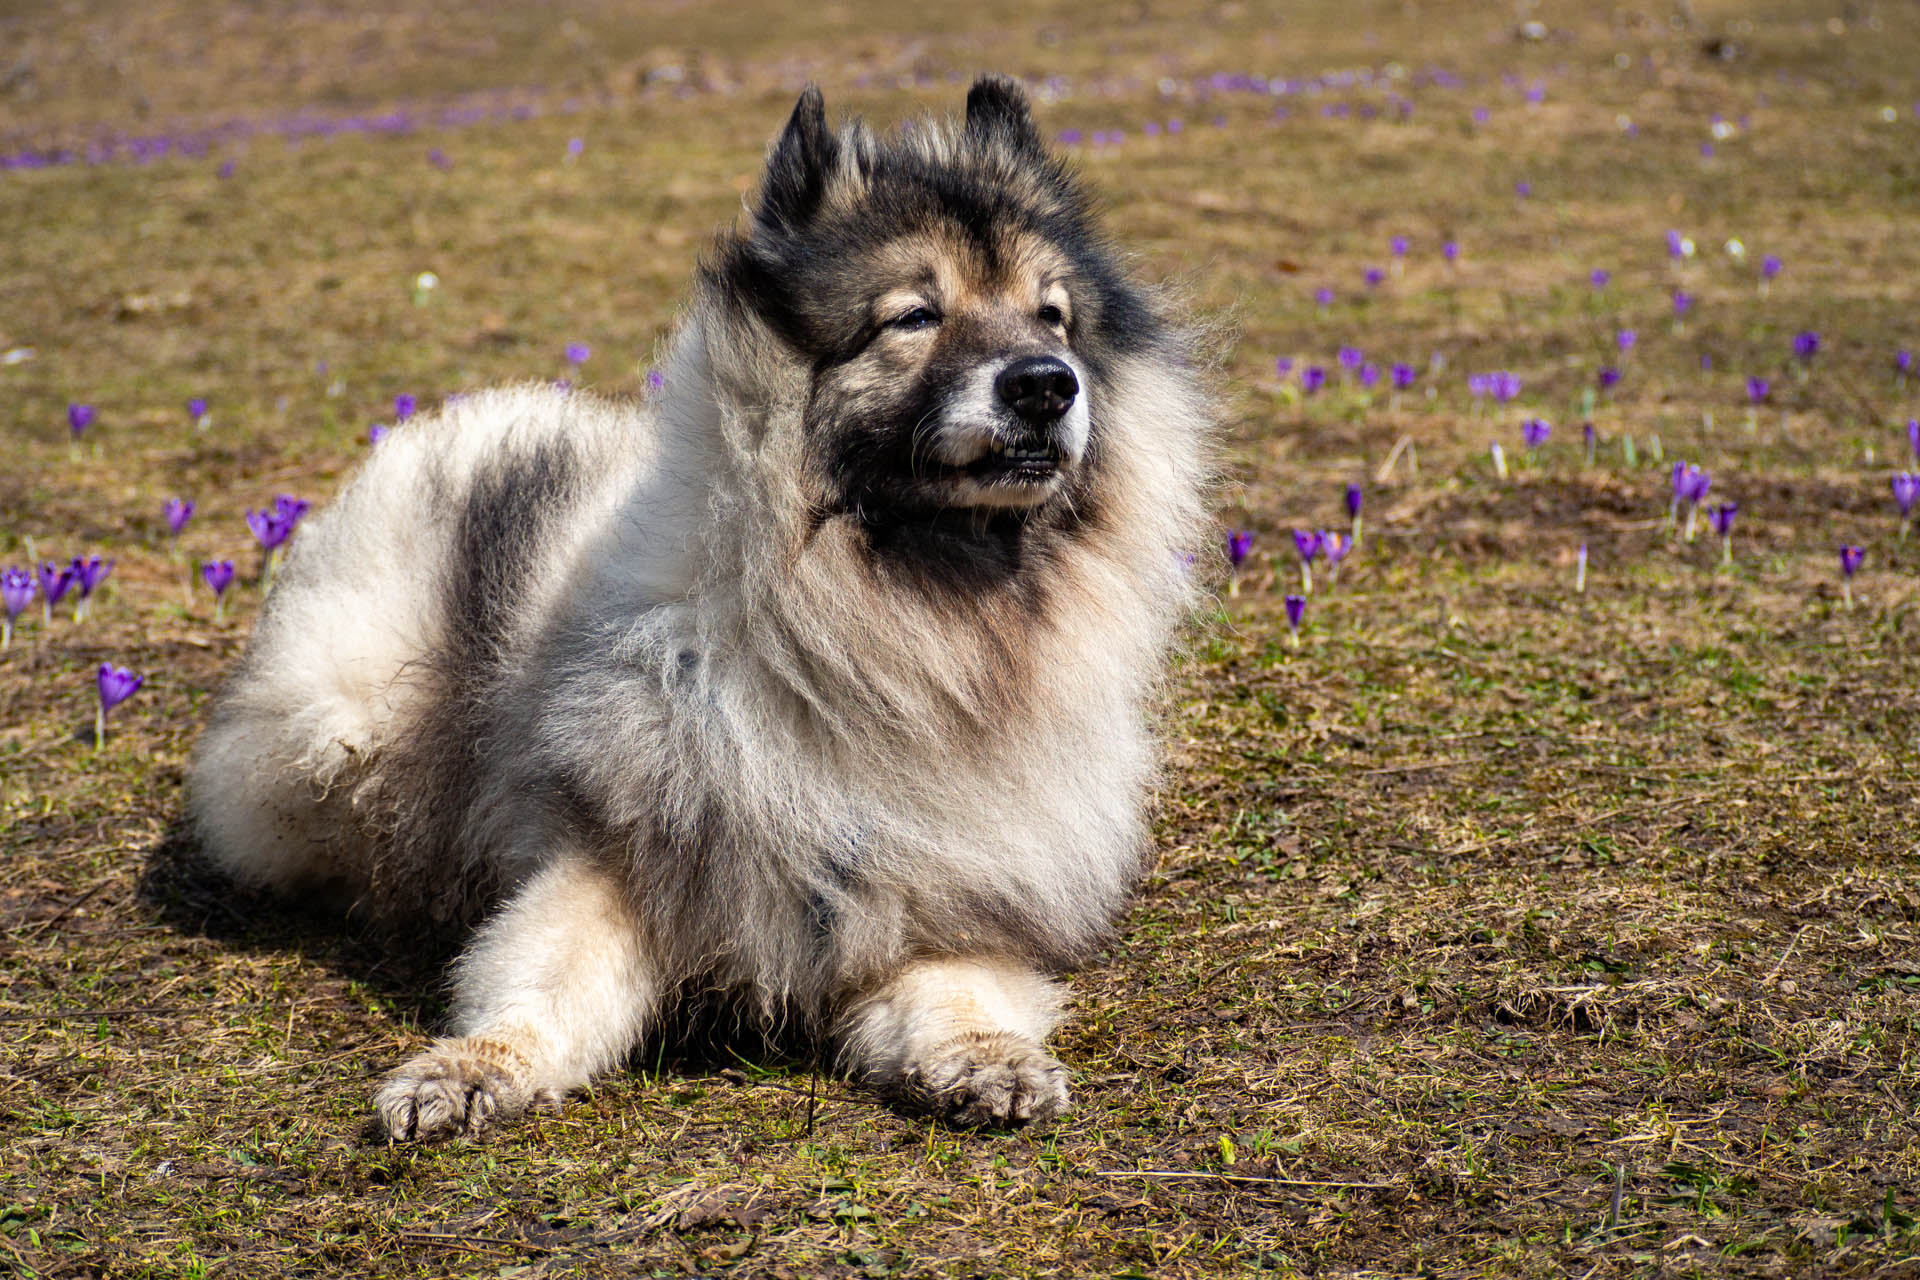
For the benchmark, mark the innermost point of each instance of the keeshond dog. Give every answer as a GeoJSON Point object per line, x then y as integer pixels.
{"type": "Point", "coordinates": [816, 684]}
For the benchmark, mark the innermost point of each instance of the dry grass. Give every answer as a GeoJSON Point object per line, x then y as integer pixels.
{"type": "Point", "coordinates": [1498, 929]}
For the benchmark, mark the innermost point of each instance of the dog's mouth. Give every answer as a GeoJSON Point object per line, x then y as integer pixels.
{"type": "Point", "coordinates": [1024, 463]}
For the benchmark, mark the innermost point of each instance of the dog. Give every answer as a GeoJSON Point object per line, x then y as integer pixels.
{"type": "Point", "coordinates": [816, 682]}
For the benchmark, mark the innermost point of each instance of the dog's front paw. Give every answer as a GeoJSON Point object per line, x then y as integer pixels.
{"type": "Point", "coordinates": [994, 1080]}
{"type": "Point", "coordinates": [458, 1086]}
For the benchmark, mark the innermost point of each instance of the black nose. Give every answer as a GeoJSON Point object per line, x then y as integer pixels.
{"type": "Point", "coordinates": [1038, 388]}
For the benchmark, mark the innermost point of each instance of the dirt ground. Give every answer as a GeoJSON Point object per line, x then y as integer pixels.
{"type": "Point", "coordinates": [1507, 924]}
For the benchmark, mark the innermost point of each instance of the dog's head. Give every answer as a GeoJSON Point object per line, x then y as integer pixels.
{"type": "Point", "coordinates": [953, 301]}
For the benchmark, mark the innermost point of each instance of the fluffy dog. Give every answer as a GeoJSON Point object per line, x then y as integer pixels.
{"type": "Point", "coordinates": [817, 682]}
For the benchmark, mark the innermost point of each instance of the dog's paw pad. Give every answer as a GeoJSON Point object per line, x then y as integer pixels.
{"type": "Point", "coordinates": [458, 1086]}
{"type": "Point", "coordinates": [991, 1081]}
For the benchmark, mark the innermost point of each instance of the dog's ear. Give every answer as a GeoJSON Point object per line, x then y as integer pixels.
{"type": "Point", "coordinates": [998, 112]}
{"type": "Point", "coordinates": [799, 165]}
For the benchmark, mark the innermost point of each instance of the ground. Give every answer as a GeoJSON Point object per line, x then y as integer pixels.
{"type": "Point", "coordinates": [1500, 927]}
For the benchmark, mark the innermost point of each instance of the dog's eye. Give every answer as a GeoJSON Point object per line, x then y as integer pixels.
{"type": "Point", "coordinates": [1051, 316]}
{"type": "Point", "coordinates": [918, 318]}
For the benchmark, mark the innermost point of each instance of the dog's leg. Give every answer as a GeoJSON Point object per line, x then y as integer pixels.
{"type": "Point", "coordinates": [961, 1038]}
{"type": "Point", "coordinates": [557, 987]}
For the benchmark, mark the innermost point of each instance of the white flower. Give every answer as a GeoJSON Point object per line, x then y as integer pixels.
{"type": "Point", "coordinates": [426, 280]}
{"type": "Point", "coordinates": [1736, 250]}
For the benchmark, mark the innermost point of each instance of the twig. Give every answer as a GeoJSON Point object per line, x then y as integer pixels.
{"type": "Point", "coordinates": [1385, 469]}
{"type": "Point", "coordinates": [1785, 956]}
{"type": "Point", "coordinates": [131, 1011]}
{"type": "Point", "coordinates": [1240, 1177]}
{"type": "Point", "coordinates": [64, 912]}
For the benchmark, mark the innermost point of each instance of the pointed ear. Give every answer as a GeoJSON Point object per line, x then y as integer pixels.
{"type": "Point", "coordinates": [997, 112]}
{"type": "Point", "coordinates": [799, 164]}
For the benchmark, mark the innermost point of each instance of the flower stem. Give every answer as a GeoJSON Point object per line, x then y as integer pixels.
{"type": "Point", "coordinates": [100, 727]}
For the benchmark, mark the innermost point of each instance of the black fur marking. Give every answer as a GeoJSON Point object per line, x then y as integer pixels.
{"type": "Point", "coordinates": [798, 166]}
{"type": "Point", "coordinates": [997, 110]}
{"type": "Point", "coordinates": [503, 522]}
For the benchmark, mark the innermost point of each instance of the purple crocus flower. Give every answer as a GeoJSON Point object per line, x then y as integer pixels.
{"type": "Point", "coordinates": [1296, 613]}
{"type": "Point", "coordinates": [403, 407]}
{"type": "Point", "coordinates": [1403, 375]}
{"type": "Point", "coordinates": [1625, 339]}
{"type": "Point", "coordinates": [1534, 432]}
{"type": "Point", "coordinates": [1356, 498]}
{"type": "Point", "coordinates": [268, 528]}
{"type": "Point", "coordinates": [655, 380]}
{"type": "Point", "coordinates": [218, 575]}
{"type": "Point", "coordinates": [1682, 303]}
{"type": "Point", "coordinates": [54, 581]}
{"type": "Point", "coordinates": [16, 593]}
{"type": "Point", "coordinates": [1283, 366]}
{"type": "Point", "coordinates": [79, 418]}
{"type": "Point", "coordinates": [1770, 267]}
{"type": "Point", "coordinates": [290, 509]}
{"type": "Point", "coordinates": [575, 146]}
{"type": "Point", "coordinates": [1600, 277]}
{"type": "Point", "coordinates": [1398, 246]}
{"type": "Point", "coordinates": [376, 433]}
{"type": "Point", "coordinates": [1721, 520]}
{"type": "Point", "coordinates": [1523, 189]}
{"type": "Point", "coordinates": [1906, 489]}
{"type": "Point", "coordinates": [88, 573]}
{"type": "Point", "coordinates": [1758, 389]}
{"type": "Point", "coordinates": [1323, 296]}
{"type": "Point", "coordinates": [1805, 344]}
{"type": "Point", "coordinates": [1676, 244]}
{"type": "Point", "coordinates": [577, 353]}
{"type": "Point", "coordinates": [1504, 386]}
{"type": "Point", "coordinates": [1309, 544]}
{"type": "Point", "coordinates": [1609, 377]}
{"type": "Point", "coordinates": [1697, 484]}
{"type": "Point", "coordinates": [116, 685]}
{"type": "Point", "coordinates": [1351, 357]}
{"type": "Point", "coordinates": [1591, 438]}
{"type": "Point", "coordinates": [1239, 543]}
{"type": "Point", "coordinates": [196, 409]}
{"type": "Point", "coordinates": [1312, 378]}
{"type": "Point", "coordinates": [1373, 276]}
{"type": "Point", "coordinates": [1478, 384]}
{"type": "Point", "coordinates": [1369, 375]}
{"type": "Point", "coordinates": [1690, 485]}
{"type": "Point", "coordinates": [1850, 560]}
{"type": "Point", "coordinates": [1450, 250]}
{"type": "Point", "coordinates": [177, 511]}
{"type": "Point", "coordinates": [1336, 548]}
{"type": "Point", "coordinates": [1903, 363]}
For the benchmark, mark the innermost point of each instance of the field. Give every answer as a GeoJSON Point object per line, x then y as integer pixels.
{"type": "Point", "coordinates": [1550, 907]}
